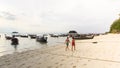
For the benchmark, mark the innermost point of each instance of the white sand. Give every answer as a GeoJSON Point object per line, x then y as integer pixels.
{"type": "Point", "coordinates": [104, 54]}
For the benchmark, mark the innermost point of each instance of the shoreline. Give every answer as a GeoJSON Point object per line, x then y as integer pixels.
{"type": "Point", "coordinates": [3, 53]}
{"type": "Point", "coordinates": [103, 54]}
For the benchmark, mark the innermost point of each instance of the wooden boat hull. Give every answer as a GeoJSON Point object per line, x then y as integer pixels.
{"type": "Point", "coordinates": [84, 37]}
{"type": "Point", "coordinates": [41, 39]}
{"type": "Point", "coordinates": [8, 38]}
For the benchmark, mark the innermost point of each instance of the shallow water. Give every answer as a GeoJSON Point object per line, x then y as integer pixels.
{"type": "Point", "coordinates": [26, 44]}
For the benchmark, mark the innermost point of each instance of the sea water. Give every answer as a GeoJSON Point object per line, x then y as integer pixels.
{"type": "Point", "coordinates": [27, 44]}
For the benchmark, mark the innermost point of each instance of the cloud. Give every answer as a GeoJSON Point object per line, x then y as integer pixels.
{"type": "Point", "coordinates": [8, 15]}
{"type": "Point", "coordinates": [59, 15]}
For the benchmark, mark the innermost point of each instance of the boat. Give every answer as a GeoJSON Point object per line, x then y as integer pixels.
{"type": "Point", "coordinates": [73, 33]}
{"type": "Point", "coordinates": [8, 37]}
{"type": "Point", "coordinates": [24, 35]}
{"type": "Point", "coordinates": [63, 35]}
{"type": "Point", "coordinates": [41, 39]}
{"type": "Point", "coordinates": [32, 36]}
{"type": "Point", "coordinates": [16, 34]}
{"type": "Point", "coordinates": [54, 35]}
{"type": "Point", "coordinates": [84, 36]}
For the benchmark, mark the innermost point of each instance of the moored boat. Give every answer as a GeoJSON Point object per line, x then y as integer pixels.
{"type": "Point", "coordinates": [54, 35]}
{"type": "Point", "coordinates": [24, 35]}
{"type": "Point", "coordinates": [8, 36]}
{"type": "Point", "coordinates": [32, 36]}
{"type": "Point", "coordinates": [73, 33]}
{"type": "Point", "coordinates": [84, 36]}
{"type": "Point", "coordinates": [41, 38]}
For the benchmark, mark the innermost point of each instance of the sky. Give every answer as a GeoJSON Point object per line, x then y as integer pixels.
{"type": "Point", "coordinates": [58, 16]}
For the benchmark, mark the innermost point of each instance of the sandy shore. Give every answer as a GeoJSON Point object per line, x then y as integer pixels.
{"type": "Point", "coordinates": [103, 54]}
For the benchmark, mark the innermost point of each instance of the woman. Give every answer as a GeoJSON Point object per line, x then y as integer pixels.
{"type": "Point", "coordinates": [67, 41]}
{"type": "Point", "coordinates": [73, 43]}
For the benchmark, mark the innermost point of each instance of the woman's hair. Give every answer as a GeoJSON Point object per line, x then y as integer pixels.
{"type": "Point", "coordinates": [72, 37]}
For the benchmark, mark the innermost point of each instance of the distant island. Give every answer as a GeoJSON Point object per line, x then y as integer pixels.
{"type": "Point", "coordinates": [115, 27]}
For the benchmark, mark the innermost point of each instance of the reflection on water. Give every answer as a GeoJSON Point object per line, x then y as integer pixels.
{"type": "Point", "coordinates": [26, 44]}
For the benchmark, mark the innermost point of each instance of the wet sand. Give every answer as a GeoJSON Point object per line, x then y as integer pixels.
{"type": "Point", "coordinates": [101, 52]}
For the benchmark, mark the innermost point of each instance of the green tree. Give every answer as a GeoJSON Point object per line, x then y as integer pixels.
{"type": "Point", "coordinates": [115, 27]}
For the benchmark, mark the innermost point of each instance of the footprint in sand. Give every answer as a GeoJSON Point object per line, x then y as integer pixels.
{"type": "Point", "coordinates": [84, 64]}
{"type": "Point", "coordinates": [61, 64]}
{"type": "Point", "coordinates": [9, 64]}
{"type": "Point", "coordinates": [88, 60]}
{"type": "Point", "coordinates": [49, 67]}
{"type": "Point", "coordinates": [56, 63]}
{"type": "Point", "coordinates": [62, 59]}
{"type": "Point", "coordinates": [22, 64]}
{"type": "Point", "coordinates": [71, 63]}
{"type": "Point", "coordinates": [67, 57]}
{"type": "Point", "coordinates": [74, 66]}
{"type": "Point", "coordinates": [77, 60]}
{"type": "Point", "coordinates": [7, 61]}
{"type": "Point", "coordinates": [48, 55]}
{"type": "Point", "coordinates": [52, 58]}
{"type": "Point", "coordinates": [39, 63]}
{"type": "Point", "coordinates": [32, 55]}
{"type": "Point", "coordinates": [29, 67]}
{"type": "Point", "coordinates": [28, 54]}
{"type": "Point", "coordinates": [57, 67]}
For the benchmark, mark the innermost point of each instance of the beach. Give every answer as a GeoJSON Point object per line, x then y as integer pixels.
{"type": "Point", "coordinates": [101, 52]}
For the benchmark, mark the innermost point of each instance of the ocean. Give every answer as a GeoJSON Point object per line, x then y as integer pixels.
{"type": "Point", "coordinates": [27, 44]}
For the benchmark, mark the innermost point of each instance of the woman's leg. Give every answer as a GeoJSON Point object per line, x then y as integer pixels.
{"type": "Point", "coordinates": [74, 47]}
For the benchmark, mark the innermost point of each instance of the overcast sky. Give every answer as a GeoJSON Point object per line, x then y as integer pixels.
{"type": "Point", "coordinates": [84, 16]}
